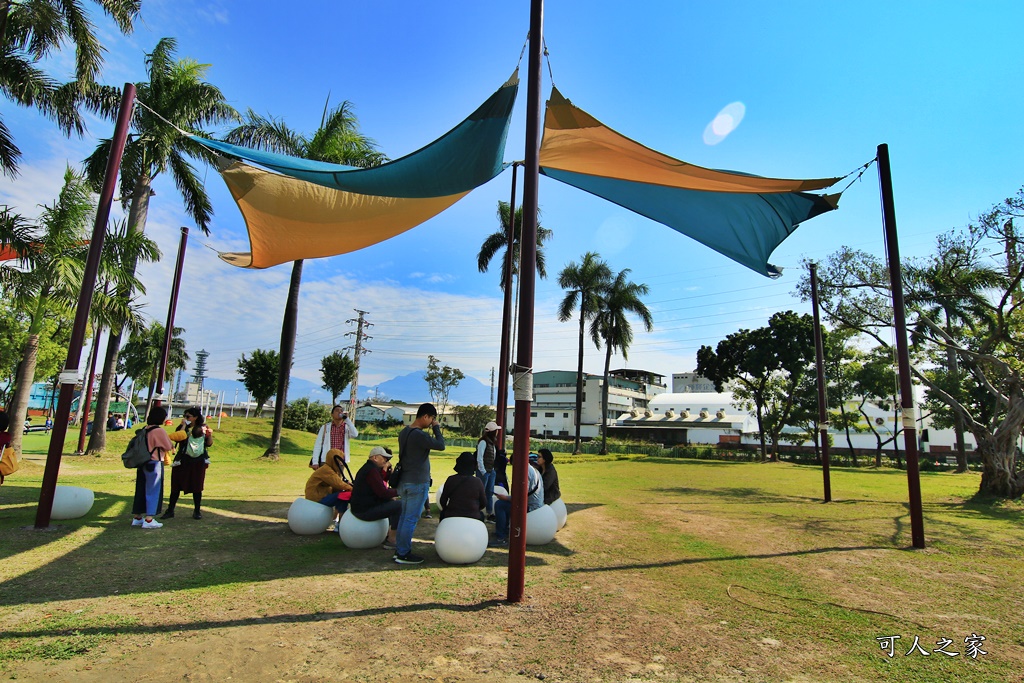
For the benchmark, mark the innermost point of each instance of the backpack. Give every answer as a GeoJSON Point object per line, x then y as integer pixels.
{"type": "Point", "coordinates": [138, 453]}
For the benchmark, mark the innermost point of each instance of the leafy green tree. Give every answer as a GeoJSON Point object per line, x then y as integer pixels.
{"type": "Point", "coordinates": [498, 241]}
{"type": "Point", "coordinates": [765, 366]}
{"type": "Point", "coordinates": [584, 283]}
{"type": "Point", "coordinates": [337, 371]}
{"type": "Point", "coordinates": [259, 375]}
{"type": "Point", "coordinates": [338, 141]}
{"type": "Point", "coordinates": [141, 355]}
{"type": "Point", "coordinates": [473, 418]}
{"type": "Point", "coordinates": [305, 415]}
{"type": "Point", "coordinates": [177, 92]}
{"type": "Point", "coordinates": [874, 381]}
{"type": "Point", "coordinates": [441, 379]}
{"type": "Point", "coordinates": [611, 325]}
{"type": "Point", "coordinates": [33, 31]}
{"type": "Point", "coordinates": [50, 280]}
{"type": "Point", "coordinates": [988, 346]}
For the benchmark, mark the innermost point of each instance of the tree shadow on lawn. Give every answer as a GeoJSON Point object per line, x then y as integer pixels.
{"type": "Point", "coordinates": [738, 495]}
{"type": "Point", "coordinates": [260, 442]}
{"type": "Point", "coordinates": [225, 547]}
{"type": "Point", "coordinates": [206, 625]}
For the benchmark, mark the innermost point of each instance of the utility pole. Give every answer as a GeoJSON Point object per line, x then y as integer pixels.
{"type": "Point", "coordinates": [492, 387]}
{"type": "Point", "coordinates": [358, 351]}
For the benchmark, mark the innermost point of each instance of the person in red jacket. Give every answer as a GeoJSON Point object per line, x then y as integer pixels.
{"type": "Point", "coordinates": [372, 498]}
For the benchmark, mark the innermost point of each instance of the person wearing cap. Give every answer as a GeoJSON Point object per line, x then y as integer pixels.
{"type": "Point", "coordinates": [486, 449]}
{"type": "Point", "coordinates": [414, 446]}
{"type": "Point", "coordinates": [503, 506]}
{"type": "Point", "coordinates": [327, 486]}
{"type": "Point", "coordinates": [334, 435]}
{"type": "Point", "coordinates": [372, 498]}
{"type": "Point", "coordinates": [547, 472]}
{"type": "Point", "coordinates": [463, 493]}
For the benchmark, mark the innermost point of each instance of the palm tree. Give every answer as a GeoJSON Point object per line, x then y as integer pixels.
{"type": "Point", "coordinates": [338, 141]}
{"type": "Point", "coordinates": [140, 357]}
{"type": "Point", "coordinates": [177, 92]}
{"type": "Point", "coordinates": [32, 31]}
{"type": "Point", "coordinates": [50, 280]}
{"type": "Point", "coordinates": [585, 283]}
{"type": "Point", "coordinates": [498, 241]}
{"type": "Point", "coordinates": [612, 326]}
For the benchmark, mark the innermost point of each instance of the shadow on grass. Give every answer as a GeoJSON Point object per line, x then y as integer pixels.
{"type": "Point", "coordinates": [261, 442]}
{"type": "Point", "coordinates": [199, 626]}
{"type": "Point", "coordinates": [729, 558]}
{"type": "Point", "coordinates": [737, 494]}
{"type": "Point", "coordinates": [101, 555]}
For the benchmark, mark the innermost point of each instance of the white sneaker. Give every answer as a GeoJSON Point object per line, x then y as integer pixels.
{"type": "Point", "coordinates": [136, 522]}
{"type": "Point", "coordinates": [151, 525]}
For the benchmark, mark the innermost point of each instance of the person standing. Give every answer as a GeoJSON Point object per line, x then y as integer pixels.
{"type": "Point", "coordinates": [486, 448]}
{"type": "Point", "coordinates": [188, 471]}
{"type": "Point", "coordinates": [149, 478]}
{"type": "Point", "coordinates": [414, 446]}
{"type": "Point", "coordinates": [548, 474]}
{"type": "Point", "coordinates": [463, 493]}
{"type": "Point", "coordinates": [333, 435]}
{"type": "Point", "coordinates": [372, 498]}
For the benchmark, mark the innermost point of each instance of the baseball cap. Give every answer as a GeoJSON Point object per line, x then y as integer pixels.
{"type": "Point", "coordinates": [379, 450]}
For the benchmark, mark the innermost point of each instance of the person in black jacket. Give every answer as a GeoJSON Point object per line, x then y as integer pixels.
{"type": "Point", "coordinates": [372, 498]}
{"type": "Point", "coordinates": [549, 475]}
{"type": "Point", "coordinates": [463, 493]}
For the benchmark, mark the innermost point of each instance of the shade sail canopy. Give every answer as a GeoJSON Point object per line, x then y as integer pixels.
{"type": "Point", "coordinates": [299, 208]}
{"type": "Point", "coordinates": [743, 217]}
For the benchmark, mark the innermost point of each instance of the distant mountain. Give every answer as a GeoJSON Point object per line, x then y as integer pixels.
{"type": "Point", "coordinates": [409, 388]}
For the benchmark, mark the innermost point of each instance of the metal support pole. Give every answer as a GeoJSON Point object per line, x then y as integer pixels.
{"type": "Point", "coordinates": [69, 376]}
{"type": "Point", "coordinates": [527, 286]}
{"type": "Point", "coordinates": [506, 317]}
{"type": "Point", "coordinates": [171, 306]}
{"type": "Point", "coordinates": [902, 348]}
{"type": "Point", "coordinates": [819, 366]}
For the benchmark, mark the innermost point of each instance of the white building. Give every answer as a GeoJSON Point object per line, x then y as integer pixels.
{"type": "Point", "coordinates": [553, 413]}
{"type": "Point", "coordinates": [691, 382]}
{"type": "Point", "coordinates": [380, 412]}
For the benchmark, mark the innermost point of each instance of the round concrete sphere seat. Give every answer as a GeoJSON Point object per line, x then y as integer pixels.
{"type": "Point", "coordinates": [356, 533]}
{"type": "Point", "coordinates": [460, 540]}
{"type": "Point", "coordinates": [561, 514]}
{"type": "Point", "coordinates": [541, 525]}
{"type": "Point", "coordinates": [71, 502]}
{"type": "Point", "coordinates": [498, 489]}
{"type": "Point", "coordinates": [308, 517]}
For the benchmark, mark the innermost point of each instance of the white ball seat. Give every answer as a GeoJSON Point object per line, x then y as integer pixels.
{"type": "Point", "coordinates": [498, 489]}
{"type": "Point", "coordinates": [541, 525]}
{"type": "Point", "coordinates": [356, 533]}
{"type": "Point", "coordinates": [437, 497]}
{"type": "Point", "coordinates": [308, 517]}
{"type": "Point", "coordinates": [561, 514]}
{"type": "Point", "coordinates": [460, 540]}
{"type": "Point", "coordinates": [71, 502]}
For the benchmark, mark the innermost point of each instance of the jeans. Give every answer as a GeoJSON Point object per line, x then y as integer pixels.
{"type": "Point", "coordinates": [332, 500]}
{"type": "Point", "coordinates": [502, 517]}
{"type": "Point", "coordinates": [414, 496]}
{"type": "Point", "coordinates": [488, 479]}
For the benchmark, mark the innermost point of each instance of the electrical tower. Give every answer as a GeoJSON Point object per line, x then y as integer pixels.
{"type": "Point", "coordinates": [358, 351]}
{"type": "Point", "coordinates": [200, 372]}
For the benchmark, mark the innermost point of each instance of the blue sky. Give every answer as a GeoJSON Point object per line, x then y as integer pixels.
{"type": "Point", "coordinates": [821, 84]}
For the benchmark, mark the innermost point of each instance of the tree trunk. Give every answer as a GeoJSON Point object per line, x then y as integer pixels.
{"type": "Point", "coordinates": [579, 382]}
{"type": "Point", "coordinates": [999, 475]}
{"type": "Point", "coordinates": [953, 368]}
{"type": "Point", "coordinates": [846, 426]}
{"type": "Point", "coordinates": [98, 438]}
{"type": "Point", "coordinates": [760, 430]}
{"type": "Point", "coordinates": [22, 391]}
{"type": "Point", "coordinates": [288, 329]}
{"type": "Point", "coordinates": [604, 399]}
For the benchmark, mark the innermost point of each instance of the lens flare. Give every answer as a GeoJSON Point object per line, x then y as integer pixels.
{"type": "Point", "coordinates": [724, 123]}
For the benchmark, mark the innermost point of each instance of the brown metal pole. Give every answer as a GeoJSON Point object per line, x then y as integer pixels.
{"type": "Point", "coordinates": [69, 376]}
{"type": "Point", "coordinates": [819, 366]}
{"type": "Point", "coordinates": [169, 329]}
{"type": "Point", "coordinates": [88, 392]}
{"type": "Point", "coordinates": [506, 316]}
{"type": "Point", "coordinates": [902, 348]}
{"type": "Point", "coordinates": [527, 285]}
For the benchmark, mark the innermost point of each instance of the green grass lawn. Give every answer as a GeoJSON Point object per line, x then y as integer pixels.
{"type": "Point", "coordinates": [667, 570]}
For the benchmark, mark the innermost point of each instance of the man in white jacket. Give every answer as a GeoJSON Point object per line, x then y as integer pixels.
{"type": "Point", "coordinates": [334, 434]}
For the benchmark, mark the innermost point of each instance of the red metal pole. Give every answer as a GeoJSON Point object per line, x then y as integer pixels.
{"type": "Point", "coordinates": [527, 286]}
{"type": "Point", "coordinates": [69, 376]}
{"type": "Point", "coordinates": [506, 316]}
{"type": "Point", "coordinates": [169, 329]}
{"type": "Point", "coordinates": [819, 366]}
{"type": "Point", "coordinates": [899, 313]}
{"type": "Point", "coordinates": [88, 392]}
